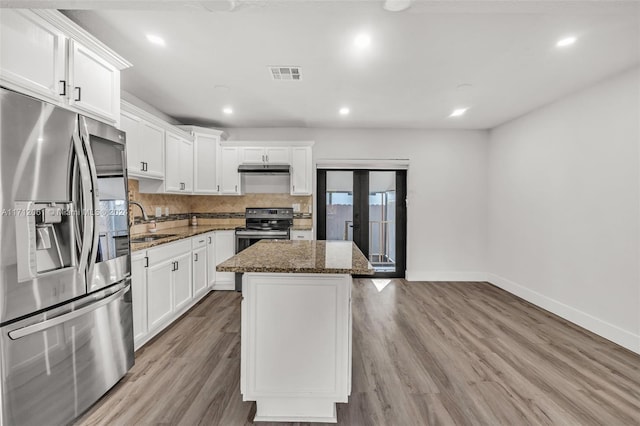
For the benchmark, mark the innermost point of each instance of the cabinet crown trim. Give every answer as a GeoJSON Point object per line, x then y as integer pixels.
{"type": "Point", "coordinates": [138, 112]}
{"type": "Point", "coordinates": [195, 130]}
{"type": "Point", "coordinates": [76, 32]}
{"type": "Point", "coordinates": [267, 144]}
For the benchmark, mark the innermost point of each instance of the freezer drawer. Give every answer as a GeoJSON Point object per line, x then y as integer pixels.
{"type": "Point", "coordinates": [55, 365]}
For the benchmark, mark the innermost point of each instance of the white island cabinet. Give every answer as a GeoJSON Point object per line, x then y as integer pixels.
{"type": "Point", "coordinates": [296, 327]}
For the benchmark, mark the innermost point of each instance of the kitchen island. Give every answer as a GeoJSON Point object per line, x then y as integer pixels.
{"type": "Point", "coordinates": [296, 326]}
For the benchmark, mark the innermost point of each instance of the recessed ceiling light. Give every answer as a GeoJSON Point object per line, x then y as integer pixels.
{"type": "Point", "coordinates": [155, 39]}
{"type": "Point", "coordinates": [567, 41]}
{"type": "Point", "coordinates": [344, 111]}
{"type": "Point", "coordinates": [227, 110]}
{"type": "Point", "coordinates": [458, 112]}
{"type": "Point", "coordinates": [362, 40]}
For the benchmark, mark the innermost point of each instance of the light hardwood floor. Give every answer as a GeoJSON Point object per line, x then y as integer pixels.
{"type": "Point", "coordinates": [423, 353]}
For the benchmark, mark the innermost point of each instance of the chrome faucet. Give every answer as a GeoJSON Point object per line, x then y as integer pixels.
{"type": "Point", "coordinates": [144, 214]}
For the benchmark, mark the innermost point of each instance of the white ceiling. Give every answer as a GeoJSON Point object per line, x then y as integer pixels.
{"type": "Point", "coordinates": [502, 53]}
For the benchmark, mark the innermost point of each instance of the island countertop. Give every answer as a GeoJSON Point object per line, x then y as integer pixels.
{"type": "Point", "coordinates": [302, 257]}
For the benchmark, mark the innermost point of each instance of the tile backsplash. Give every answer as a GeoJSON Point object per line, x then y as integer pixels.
{"type": "Point", "coordinates": [215, 207]}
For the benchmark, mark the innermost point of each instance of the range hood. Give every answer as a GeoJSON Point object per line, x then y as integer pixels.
{"type": "Point", "coordinates": [265, 169]}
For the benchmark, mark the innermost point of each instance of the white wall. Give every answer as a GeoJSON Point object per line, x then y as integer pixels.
{"type": "Point", "coordinates": [564, 212]}
{"type": "Point", "coordinates": [447, 189]}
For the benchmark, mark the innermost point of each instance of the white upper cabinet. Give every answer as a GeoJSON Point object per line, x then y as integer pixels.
{"type": "Point", "coordinates": [94, 83]}
{"type": "Point", "coordinates": [151, 149]}
{"type": "Point", "coordinates": [205, 158]}
{"type": "Point", "coordinates": [145, 145]}
{"type": "Point", "coordinates": [264, 155]}
{"type": "Point", "coordinates": [179, 164]}
{"type": "Point", "coordinates": [32, 54]}
{"type": "Point", "coordinates": [130, 124]}
{"type": "Point", "coordinates": [229, 177]}
{"type": "Point", "coordinates": [252, 155]}
{"type": "Point", "coordinates": [277, 155]}
{"type": "Point", "coordinates": [172, 182]}
{"type": "Point", "coordinates": [46, 55]}
{"type": "Point", "coordinates": [301, 171]}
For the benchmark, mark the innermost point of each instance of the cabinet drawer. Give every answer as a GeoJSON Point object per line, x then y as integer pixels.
{"type": "Point", "coordinates": [168, 251]}
{"type": "Point", "coordinates": [301, 235]}
{"type": "Point", "coordinates": [199, 241]}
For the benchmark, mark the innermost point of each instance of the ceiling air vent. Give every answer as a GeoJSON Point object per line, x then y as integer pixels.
{"type": "Point", "coordinates": [286, 73]}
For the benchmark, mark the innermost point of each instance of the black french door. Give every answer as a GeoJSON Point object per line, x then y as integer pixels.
{"type": "Point", "coordinates": [367, 207]}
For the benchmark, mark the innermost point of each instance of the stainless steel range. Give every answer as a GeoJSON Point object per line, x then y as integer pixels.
{"type": "Point", "coordinates": [260, 224]}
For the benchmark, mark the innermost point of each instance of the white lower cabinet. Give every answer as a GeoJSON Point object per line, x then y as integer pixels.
{"type": "Point", "coordinates": [182, 282]}
{"type": "Point", "coordinates": [199, 265]}
{"type": "Point", "coordinates": [139, 295]}
{"type": "Point", "coordinates": [225, 247]}
{"type": "Point", "coordinates": [211, 259]}
{"type": "Point", "coordinates": [169, 279]}
{"type": "Point", "coordinates": [159, 300]}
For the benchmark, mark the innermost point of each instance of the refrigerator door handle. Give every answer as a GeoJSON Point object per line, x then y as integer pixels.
{"type": "Point", "coordinates": [52, 322]}
{"type": "Point", "coordinates": [88, 222]}
{"type": "Point", "coordinates": [84, 138]}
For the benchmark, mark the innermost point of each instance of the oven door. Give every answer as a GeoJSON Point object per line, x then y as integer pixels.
{"type": "Point", "coordinates": [247, 238]}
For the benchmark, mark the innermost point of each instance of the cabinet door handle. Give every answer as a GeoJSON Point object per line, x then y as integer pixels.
{"type": "Point", "coordinates": [294, 188]}
{"type": "Point", "coordinates": [195, 257]}
{"type": "Point", "coordinates": [267, 158]}
{"type": "Point", "coordinates": [218, 188]}
{"type": "Point", "coordinates": [209, 240]}
{"type": "Point", "coordinates": [146, 166]}
{"type": "Point", "coordinates": [79, 93]}
{"type": "Point", "coordinates": [146, 261]}
{"type": "Point", "coordinates": [177, 265]}
{"type": "Point", "coordinates": [64, 87]}
{"type": "Point", "coordinates": [263, 158]}
{"type": "Point", "coordinates": [236, 188]}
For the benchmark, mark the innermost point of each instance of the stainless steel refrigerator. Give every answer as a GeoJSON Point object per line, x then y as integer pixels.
{"type": "Point", "coordinates": [65, 299]}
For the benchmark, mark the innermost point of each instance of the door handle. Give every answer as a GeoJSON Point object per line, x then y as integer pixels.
{"type": "Point", "coordinates": [84, 138]}
{"type": "Point", "coordinates": [64, 88]}
{"type": "Point", "coordinates": [209, 240]}
{"type": "Point", "coordinates": [195, 257]}
{"type": "Point", "coordinates": [85, 184]}
{"type": "Point", "coordinates": [52, 322]}
{"type": "Point", "coordinates": [218, 188]}
{"type": "Point", "coordinates": [79, 93]}
{"type": "Point", "coordinates": [146, 261]}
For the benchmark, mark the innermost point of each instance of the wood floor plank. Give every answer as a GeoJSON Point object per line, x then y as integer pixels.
{"type": "Point", "coordinates": [424, 353]}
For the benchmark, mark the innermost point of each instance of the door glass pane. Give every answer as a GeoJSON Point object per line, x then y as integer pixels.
{"type": "Point", "coordinates": [382, 220]}
{"type": "Point", "coordinates": [339, 205]}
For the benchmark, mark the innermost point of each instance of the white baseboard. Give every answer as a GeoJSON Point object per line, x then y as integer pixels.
{"type": "Point", "coordinates": [602, 328]}
{"type": "Point", "coordinates": [445, 276]}
{"type": "Point", "coordinates": [223, 286]}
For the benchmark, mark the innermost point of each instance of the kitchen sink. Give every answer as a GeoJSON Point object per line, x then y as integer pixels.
{"type": "Point", "coordinates": [150, 237]}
